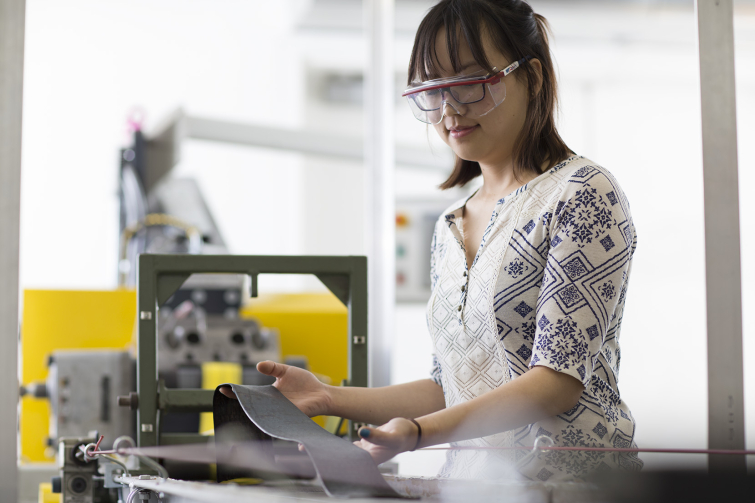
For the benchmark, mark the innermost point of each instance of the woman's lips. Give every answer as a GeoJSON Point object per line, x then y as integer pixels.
{"type": "Point", "coordinates": [461, 132]}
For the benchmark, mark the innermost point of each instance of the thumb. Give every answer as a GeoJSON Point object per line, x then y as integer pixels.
{"type": "Point", "coordinates": [271, 368]}
{"type": "Point", "coordinates": [375, 436]}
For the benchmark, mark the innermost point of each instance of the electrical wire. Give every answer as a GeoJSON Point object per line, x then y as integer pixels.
{"type": "Point", "coordinates": [154, 220]}
{"type": "Point", "coordinates": [162, 451]}
{"type": "Point", "coordinates": [113, 459]}
{"type": "Point", "coordinates": [163, 473]}
{"type": "Point", "coordinates": [732, 452]}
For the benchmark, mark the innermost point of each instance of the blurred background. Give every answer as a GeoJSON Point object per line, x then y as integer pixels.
{"type": "Point", "coordinates": [630, 101]}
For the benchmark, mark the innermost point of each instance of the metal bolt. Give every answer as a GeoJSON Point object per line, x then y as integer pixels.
{"type": "Point", "coordinates": [360, 339]}
{"type": "Point", "coordinates": [145, 315]}
{"type": "Point", "coordinates": [131, 400]}
{"type": "Point", "coordinates": [147, 428]}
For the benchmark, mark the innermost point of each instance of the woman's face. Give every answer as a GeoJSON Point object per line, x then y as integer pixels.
{"type": "Point", "coordinates": [487, 139]}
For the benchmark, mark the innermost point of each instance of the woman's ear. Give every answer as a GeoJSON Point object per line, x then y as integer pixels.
{"type": "Point", "coordinates": [537, 85]}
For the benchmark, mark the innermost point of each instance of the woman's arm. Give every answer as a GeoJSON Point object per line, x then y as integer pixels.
{"type": "Point", "coordinates": [380, 405]}
{"type": "Point", "coordinates": [538, 394]}
{"type": "Point", "coordinates": [367, 405]}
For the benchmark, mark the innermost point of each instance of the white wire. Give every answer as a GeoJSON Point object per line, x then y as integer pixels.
{"type": "Point", "coordinates": [155, 465]}
{"type": "Point", "coordinates": [112, 459]}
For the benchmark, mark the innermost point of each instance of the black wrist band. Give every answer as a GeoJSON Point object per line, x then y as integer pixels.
{"type": "Point", "coordinates": [419, 433]}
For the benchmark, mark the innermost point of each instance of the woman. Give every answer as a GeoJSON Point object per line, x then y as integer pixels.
{"type": "Point", "coordinates": [529, 274]}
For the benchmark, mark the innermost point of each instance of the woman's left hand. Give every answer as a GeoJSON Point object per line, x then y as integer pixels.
{"type": "Point", "coordinates": [396, 436]}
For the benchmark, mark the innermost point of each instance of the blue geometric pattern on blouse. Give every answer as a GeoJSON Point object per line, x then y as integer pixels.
{"type": "Point", "coordinates": [559, 303]}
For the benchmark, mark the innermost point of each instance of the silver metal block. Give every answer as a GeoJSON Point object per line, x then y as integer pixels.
{"type": "Point", "coordinates": [83, 387]}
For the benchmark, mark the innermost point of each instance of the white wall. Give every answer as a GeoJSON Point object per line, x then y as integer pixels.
{"type": "Point", "coordinates": [89, 63]}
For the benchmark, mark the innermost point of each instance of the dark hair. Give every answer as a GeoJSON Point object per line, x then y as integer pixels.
{"type": "Point", "coordinates": [517, 32]}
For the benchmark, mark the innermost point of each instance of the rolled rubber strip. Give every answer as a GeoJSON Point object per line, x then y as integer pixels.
{"type": "Point", "coordinates": [262, 413]}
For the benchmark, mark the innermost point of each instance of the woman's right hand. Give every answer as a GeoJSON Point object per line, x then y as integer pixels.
{"type": "Point", "coordinates": [298, 385]}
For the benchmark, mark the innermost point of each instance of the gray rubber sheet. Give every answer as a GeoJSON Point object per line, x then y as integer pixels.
{"type": "Point", "coordinates": [262, 413]}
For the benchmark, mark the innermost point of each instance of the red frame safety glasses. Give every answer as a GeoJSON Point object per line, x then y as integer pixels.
{"type": "Point", "coordinates": [472, 95]}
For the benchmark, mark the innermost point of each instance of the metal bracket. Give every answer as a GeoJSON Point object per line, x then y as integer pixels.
{"type": "Point", "coordinates": [159, 276]}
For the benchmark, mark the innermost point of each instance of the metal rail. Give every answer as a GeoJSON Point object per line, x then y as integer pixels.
{"type": "Point", "coordinates": [305, 142]}
{"type": "Point", "coordinates": [726, 425]}
{"type": "Point", "coordinates": [12, 16]}
{"type": "Point", "coordinates": [380, 192]}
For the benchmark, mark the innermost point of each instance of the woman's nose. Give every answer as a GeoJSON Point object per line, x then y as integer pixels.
{"type": "Point", "coordinates": [450, 109]}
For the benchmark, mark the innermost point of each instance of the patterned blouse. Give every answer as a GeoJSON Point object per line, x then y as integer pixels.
{"type": "Point", "coordinates": [547, 287]}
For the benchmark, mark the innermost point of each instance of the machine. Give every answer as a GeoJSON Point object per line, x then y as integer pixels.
{"type": "Point", "coordinates": [203, 331]}
{"type": "Point", "coordinates": [84, 479]}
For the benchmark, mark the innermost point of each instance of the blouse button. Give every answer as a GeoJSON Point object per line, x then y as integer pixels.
{"type": "Point", "coordinates": [463, 287]}
{"type": "Point", "coordinates": [465, 274]}
{"type": "Point", "coordinates": [459, 309]}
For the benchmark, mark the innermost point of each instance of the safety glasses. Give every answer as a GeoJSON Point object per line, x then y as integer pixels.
{"type": "Point", "coordinates": [471, 95]}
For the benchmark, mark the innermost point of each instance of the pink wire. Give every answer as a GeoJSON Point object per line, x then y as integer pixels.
{"type": "Point", "coordinates": [96, 447]}
{"type": "Point", "coordinates": [597, 449]}
{"type": "Point", "coordinates": [554, 448]}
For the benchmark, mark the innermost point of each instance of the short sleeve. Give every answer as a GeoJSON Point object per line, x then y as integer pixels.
{"type": "Point", "coordinates": [592, 240]}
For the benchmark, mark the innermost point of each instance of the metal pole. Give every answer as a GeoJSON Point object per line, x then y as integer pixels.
{"type": "Point", "coordinates": [726, 426]}
{"type": "Point", "coordinates": [11, 92]}
{"type": "Point", "coordinates": [380, 221]}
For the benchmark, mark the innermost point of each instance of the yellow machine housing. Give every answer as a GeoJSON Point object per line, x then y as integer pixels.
{"type": "Point", "coordinates": [310, 325]}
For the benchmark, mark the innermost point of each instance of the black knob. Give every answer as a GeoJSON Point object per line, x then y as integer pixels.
{"type": "Point", "coordinates": [57, 485]}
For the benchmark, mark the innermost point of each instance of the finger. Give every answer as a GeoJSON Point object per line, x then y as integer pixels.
{"type": "Point", "coordinates": [375, 436]}
{"type": "Point", "coordinates": [271, 368]}
{"type": "Point", "coordinates": [228, 391]}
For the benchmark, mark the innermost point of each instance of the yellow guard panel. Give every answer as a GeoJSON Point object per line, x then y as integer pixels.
{"type": "Point", "coordinates": [313, 325]}
{"type": "Point", "coordinates": [62, 319]}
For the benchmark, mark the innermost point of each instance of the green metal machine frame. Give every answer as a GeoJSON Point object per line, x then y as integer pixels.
{"type": "Point", "coordinates": [160, 276]}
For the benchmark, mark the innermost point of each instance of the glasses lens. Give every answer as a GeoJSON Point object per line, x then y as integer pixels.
{"type": "Point", "coordinates": [421, 113]}
{"type": "Point", "coordinates": [467, 94]}
{"type": "Point", "coordinates": [496, 93]}
{"type": "Point", "coordinates": [428, 100]}
{"type": "Point", "coordinates": [476, 100]}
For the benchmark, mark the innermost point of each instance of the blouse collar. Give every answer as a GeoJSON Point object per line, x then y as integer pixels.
{"type": "Point", "coordinates": [451, 213]}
